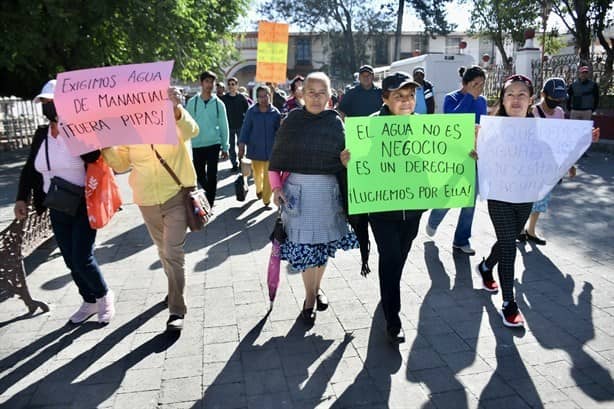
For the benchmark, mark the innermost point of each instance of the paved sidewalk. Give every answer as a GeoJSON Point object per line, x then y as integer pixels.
{"type": "Point", "coordinates": [233, 354]}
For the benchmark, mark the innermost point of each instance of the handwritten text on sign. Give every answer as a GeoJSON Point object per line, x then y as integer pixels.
{"type": "Point", "coordinates": [522, 159]}
{"type": "Point", "coordinates": [121, 105]}
{"type": "Point", "coordinates": [410, 162]}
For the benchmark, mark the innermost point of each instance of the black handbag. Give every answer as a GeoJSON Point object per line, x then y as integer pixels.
{"type": "Point", "coordinates": [240, 188]}
{"type": "Point", "coordinates": [197, 208]}
{"type": "Point", "coordinates": [63, 196]}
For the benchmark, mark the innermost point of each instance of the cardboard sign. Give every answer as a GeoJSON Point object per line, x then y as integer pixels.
{"type": "Point", "coordinates": [120, 105]}
{"type": "Point", "coordinates": [272, 53]}
{"type": "Point", "coordinates": [410, 162]}
{"type": "Point", "coordinates": [522, 159]}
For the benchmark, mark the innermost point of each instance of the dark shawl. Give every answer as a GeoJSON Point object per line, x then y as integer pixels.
{"type": "Point", "coordinates": [309, 144]}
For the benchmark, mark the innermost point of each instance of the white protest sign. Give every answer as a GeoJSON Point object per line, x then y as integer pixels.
{"type": "Point", "coordinates": [522, 159]}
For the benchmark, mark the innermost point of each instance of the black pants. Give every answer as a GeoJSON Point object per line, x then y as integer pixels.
{"type": "Point", "coordinates": [508, 220]}
{"type": "Point", "coordinates": [205, 163]}
{"type": "Point", "coordinates": [394, 239]}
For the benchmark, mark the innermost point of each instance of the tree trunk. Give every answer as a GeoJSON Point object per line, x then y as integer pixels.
{"type": "Point", "coordinates": [500, 44]}
{"type": "Point", "coordinates": [606, 79]}
{"type": "Point", "coordinates": [583, 40]}
{"type": "Point", "coordinates": [397, 35]}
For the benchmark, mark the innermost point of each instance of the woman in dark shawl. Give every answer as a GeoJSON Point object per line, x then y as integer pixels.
{"type": "Point", "coordinates": [304, 171]}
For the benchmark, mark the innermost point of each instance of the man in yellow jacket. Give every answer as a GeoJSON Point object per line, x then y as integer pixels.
{"type": "Point", "coordinates": [160, 200]}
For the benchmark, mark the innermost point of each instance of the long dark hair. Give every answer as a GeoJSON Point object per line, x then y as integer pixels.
{"type": "Point", "coordinates": [471, 73]}
{"type": "Point", "coordinates": [508, 81]}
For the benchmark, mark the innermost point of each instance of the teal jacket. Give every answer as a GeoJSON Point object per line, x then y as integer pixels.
{"type": "Point", "coordinates": [212, 121]}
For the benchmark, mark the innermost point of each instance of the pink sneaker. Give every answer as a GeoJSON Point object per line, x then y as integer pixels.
{"type": "Point", "coordinates": [84, 312]}
{"type": "Point", "coordinates": [106, 307]}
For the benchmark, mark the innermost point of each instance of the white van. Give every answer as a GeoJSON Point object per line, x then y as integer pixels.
{"type": "Point", "coordinates": [440, 69]}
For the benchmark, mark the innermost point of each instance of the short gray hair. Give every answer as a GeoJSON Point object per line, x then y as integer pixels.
{"type": "Point", "coordinates": [318, 76]}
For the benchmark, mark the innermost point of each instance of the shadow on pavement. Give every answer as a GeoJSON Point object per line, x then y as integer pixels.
{"type": "Point", "coordinates": [57, 387]}
{"type": "Point", "coordinates": [253, 367]}
{"type": "Point", "coordinates": [424, 364]}
{"type": "Point", "coordinates": [546, 299]}
{"type": "Point", "coordinates": [373, 383]}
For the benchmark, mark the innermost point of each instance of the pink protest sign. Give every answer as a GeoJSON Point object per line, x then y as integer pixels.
{"type": "Point", "coordinates": [120, 105]}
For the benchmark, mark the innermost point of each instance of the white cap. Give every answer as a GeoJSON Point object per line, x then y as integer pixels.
{"type": "Point", "coordinates": [47, 91]}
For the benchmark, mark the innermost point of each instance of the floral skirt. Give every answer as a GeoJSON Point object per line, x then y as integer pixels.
{"type": "Point", "coordinates": [303, 256]}
{"type": "Point", "coordinates": [542, 205]}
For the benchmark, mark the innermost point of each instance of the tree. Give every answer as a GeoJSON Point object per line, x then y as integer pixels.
{"type": "Point", "coordinates": [44, 37]}
{"type": "Point", "coordinates": [501, 19]}
{"type": "Point", "coordinates": [588, 18]}
{"type": "Point", "coordinates": [350, 25]}
{"type": "Point", "coordinates": [433, 16]}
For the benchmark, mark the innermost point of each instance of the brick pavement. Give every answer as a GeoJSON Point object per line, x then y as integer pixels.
{"type": "Point", "coordinates": [233, 354]}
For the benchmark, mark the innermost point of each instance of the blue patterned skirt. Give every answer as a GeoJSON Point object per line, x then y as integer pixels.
{"type": "Point", "coordinates": [303, 256]}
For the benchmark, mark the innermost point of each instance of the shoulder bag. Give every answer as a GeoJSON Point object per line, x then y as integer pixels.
{"type": "Point", "coordinates": [63, 196]}
{"type": "Point", "coordinates": [197, 209]}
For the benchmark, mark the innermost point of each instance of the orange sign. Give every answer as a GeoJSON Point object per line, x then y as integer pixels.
{"type": "Point", "coordinates": [272, 54]}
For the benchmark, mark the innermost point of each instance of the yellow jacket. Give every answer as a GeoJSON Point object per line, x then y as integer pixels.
{"type": "Point", "coordinates": [151, 184]}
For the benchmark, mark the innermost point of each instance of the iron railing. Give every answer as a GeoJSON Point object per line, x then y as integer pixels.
{"type": "Point", "coordinates": [18, 122]}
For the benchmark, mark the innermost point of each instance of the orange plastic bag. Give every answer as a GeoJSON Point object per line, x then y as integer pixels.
{"type": "Point", "coordinates": [102, 195]}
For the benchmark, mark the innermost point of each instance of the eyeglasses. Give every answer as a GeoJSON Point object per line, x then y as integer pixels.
{"type": "Point", "coordinates": [518, 78]}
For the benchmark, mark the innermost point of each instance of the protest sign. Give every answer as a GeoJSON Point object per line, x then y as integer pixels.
{"type": "Point", "coordinates": [272, 52]}
{"type": "Point", "coordinates": [120, 105]}
{"type": "Point", "coordinates": [410, 162]}
{"type": "Point", "coordinates": [522, 159]}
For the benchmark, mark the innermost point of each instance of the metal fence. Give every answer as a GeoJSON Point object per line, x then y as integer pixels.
{"type": "Point", "coordinates": [566, 67]}
{"type": "Point", "coordinates": [18, 122]}
{"type": "Point", "coordinates": [563, 66]}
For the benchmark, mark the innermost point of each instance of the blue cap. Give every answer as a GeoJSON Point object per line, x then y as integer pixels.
{"type": "Point", "coordinates": [555, 88]}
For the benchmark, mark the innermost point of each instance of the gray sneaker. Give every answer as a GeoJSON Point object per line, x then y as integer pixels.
{"type": "Point", "coordinates": [465, 249]}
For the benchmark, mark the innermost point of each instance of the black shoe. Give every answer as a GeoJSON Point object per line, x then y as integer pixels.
{"type": "Point", "coordinates": [174, 323]}
{"type": "Point", "coordinates": [308, 315]}
{"type": "Point", "coordinates": [395, 335]}
{"type": "Point", "coordinates": [235, 168]}
{"type": "Point", "coordinates": [259, 195]}
{"type": "Point", "coordinates": [522, 237]}
{"type": "Point", "coordinates": [321, 301]}
{"type": "Point", "coordinates": [535, 239]}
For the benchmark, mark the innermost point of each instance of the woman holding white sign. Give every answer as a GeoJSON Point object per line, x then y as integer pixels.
{"type": "Point", "coordinates": [160, 199]}
{"type": "Point", "coordinates": [508, 218]}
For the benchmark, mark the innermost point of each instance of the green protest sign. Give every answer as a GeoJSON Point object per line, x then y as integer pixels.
{"type": "Point", "coordinates": [410, 162]}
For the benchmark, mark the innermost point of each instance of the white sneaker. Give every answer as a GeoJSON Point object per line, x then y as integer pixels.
{"type": "Point", "coordinates": [86, 310]}
{"type": "Point", "coordinates": [430, 231]}
{"type": "Point", "coordinates": [465, 249]}
{"type": "Point", "coordinates": [106, 307]}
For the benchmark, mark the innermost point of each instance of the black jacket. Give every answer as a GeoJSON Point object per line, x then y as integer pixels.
{"type": "Point", "coordinates": [394, 215]}
{"type": "Point", "coordinates": [31, 181]}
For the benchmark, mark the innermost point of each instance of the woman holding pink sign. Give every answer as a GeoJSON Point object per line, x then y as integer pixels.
{"type": "Point", "coordinates": [51, 167]}
{"type": "Point", "coordinates": [160, 199]}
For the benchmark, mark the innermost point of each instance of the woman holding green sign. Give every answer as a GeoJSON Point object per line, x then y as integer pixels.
{"type": "Point", "coordinates": [394, 231]}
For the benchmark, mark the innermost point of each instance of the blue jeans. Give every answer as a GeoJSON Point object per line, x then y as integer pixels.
{"type": "Point", "coordinates": [463, 227]}
{"type": "Point", "coordinates": [75, 239]}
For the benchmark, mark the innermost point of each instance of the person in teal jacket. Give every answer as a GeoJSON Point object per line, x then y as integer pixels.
{"type": "Point", "coordinates": [209, 112]}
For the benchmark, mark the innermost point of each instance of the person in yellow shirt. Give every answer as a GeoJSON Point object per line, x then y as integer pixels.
{"type": "Point", "coordinates": [160, 199]}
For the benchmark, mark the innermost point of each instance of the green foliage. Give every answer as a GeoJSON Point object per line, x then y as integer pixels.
{"type": "Point", "coordinates": [552, 44]}
{"type": "Point", "coordinates": [44, 37]}
{"type": "Point", "coordinates": [501, 19]}
{"type": "Point", "coordinates": [433, 15]}
{"type": "Point", "coordinates": [350, 24]}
